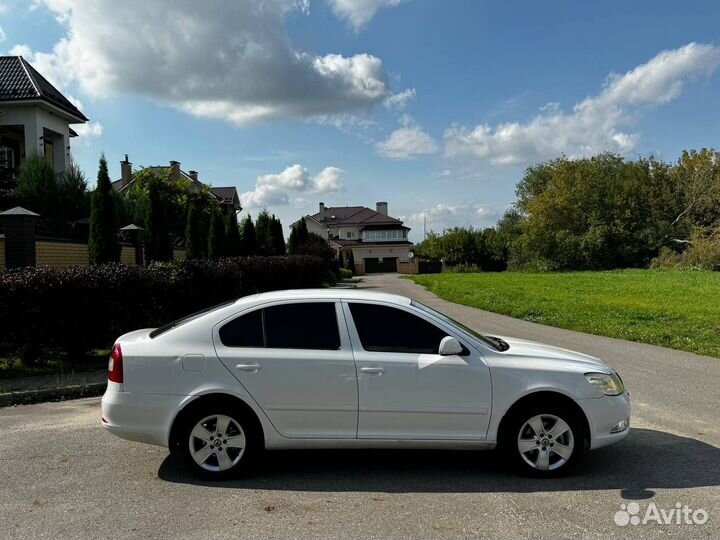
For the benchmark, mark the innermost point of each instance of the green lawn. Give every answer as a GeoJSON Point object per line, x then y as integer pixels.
{"type": "Point", "coordinates": [677, 309]}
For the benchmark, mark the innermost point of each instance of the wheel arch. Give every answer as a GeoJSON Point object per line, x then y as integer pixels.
{"type": "Point", "coordinates": [544, 397]}
{"type": "Point", "coordinates": [218, 399]}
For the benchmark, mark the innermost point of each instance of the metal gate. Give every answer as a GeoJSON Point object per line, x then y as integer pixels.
{"type": "Point", "coordinates": [374, 265]}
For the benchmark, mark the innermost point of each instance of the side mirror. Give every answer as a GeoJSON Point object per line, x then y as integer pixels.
{"type": "Point", "coordinates": [450, 346]}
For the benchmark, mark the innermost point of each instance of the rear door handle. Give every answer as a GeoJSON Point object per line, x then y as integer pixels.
{"type": "Point", "coordinates": [248, 367]}
{"type": "Point", "coordinates": [372, 370]}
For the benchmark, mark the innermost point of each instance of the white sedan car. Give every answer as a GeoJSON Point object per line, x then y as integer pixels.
{"type": "Point", "coordinates": [353, 369]}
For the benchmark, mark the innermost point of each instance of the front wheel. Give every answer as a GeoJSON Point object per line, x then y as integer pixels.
{"type": "Point", "coordinates": [545, 441]}
{"type": "Point", "coordinates": [218, 444]}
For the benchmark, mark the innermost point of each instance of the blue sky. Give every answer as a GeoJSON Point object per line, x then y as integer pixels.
{"type": "Point", "coordinates": [433, 106]}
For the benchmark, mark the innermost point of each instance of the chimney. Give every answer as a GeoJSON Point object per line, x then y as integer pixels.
{"type": "Point", "coordinates": [174, 170]}
{"type": "Point", "coordinates": [322, 210]}
{"type": "Point", "coordinates": [193, 175]}
{"type": "Point", "coordinates": [382, 208]}
{"type": "Point", "coordinates": [125, 171]}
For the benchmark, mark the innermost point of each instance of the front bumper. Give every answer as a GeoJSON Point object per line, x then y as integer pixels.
{"type": "Point", "coordinates": [140, 417]}
{"type": "Point", "coordinates": [603, 414]}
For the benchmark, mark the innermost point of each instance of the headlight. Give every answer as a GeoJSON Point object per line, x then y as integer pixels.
{"type": "Point", "coordinates": [608, 384]}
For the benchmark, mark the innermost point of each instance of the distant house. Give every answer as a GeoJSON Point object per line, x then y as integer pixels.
{"type": "Point", "coordinates": [35, 118]}
{"type": "Point", "coordinates": [376, 241]}
{"type": "Point", "coordinates": [226, 197]}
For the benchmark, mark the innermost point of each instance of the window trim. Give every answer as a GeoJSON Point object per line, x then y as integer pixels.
{"type": "Point", "coordinates": [268, 305]}
{"type": "Point", "coordinates": [355, 334]}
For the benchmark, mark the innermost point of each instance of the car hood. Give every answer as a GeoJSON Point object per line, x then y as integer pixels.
{"type": "Point", "coordinates": [521, 348]}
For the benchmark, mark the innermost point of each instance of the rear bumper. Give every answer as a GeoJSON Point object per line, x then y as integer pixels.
{"type": "Point", "coordinates": [603, 415]}
{"type": "Point", "coordinates": [140, 417]}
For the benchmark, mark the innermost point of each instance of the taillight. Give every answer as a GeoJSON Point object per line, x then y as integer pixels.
{"type": "Point", "coordinates": [115, 365]}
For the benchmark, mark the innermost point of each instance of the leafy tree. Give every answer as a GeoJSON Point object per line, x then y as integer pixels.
{"type": "Point", "coordinates": [298, 236]}
{"type": "Point", "coordinates": [248, 237]}
{"type": "Point", "coordinates": [158, 243]}
{"type": "Point", "coordinates": [73, 196]}
{"type": "Point", "coordinates": [233, 241]}
{"type": "Point", "coordinates": [37, 186]}
{"type": "Point", "coordinates": [178, 194]}
{"type": "Point", "coordinates": [103, 244]}
{"type": "Point", "coordinates": [216, 239]}
{"type": "Point", "coordinates": [195, 244]}
{"type": "Point", "coordinates": [277, 237]}
{"type": "Point", "coordinates": [599, 212]}
{"type": "Point", "coordinates": [263, 233]}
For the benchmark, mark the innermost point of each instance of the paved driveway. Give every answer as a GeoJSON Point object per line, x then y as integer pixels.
{"type": "Point", "coordinates": [62, 477]}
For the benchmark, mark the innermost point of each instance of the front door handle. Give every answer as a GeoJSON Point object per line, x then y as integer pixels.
{"type": "Point", "coordinates": [249, 367]}
{"type": "Point", "coordinates": [372, 370]}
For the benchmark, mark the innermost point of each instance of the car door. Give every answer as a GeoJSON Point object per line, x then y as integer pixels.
{"type": "Point", "coordinates": [406, 390]}
{"type": "Point", "coordinates": [296, 361]}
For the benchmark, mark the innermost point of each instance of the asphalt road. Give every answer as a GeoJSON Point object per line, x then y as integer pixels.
{"type": "Point", "coordinates": [62, 477]}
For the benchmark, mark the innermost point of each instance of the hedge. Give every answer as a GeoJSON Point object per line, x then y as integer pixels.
{"type": "Point", "coordinates": [80, 308]}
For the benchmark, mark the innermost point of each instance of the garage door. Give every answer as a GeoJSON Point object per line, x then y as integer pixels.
{"type": "Point", "coordinates": [375, 265]}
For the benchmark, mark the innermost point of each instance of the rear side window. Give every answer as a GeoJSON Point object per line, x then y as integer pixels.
{"type": "Point", "coordinates": [386, 329]}
{"type": "Point", "coordinates": [302, 326]}
{"type": "Point", "coordinates": [311, 325]}
{"type": "Point", "coordinates": [244, 331]}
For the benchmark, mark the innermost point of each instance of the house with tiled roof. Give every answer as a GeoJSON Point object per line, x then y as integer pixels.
{"type": "Point", "coordinates": [370, 239]}
{"type": "Point", "coordinates": [35, 117]}
{"type": "Point", "coordinates": [227, 197]}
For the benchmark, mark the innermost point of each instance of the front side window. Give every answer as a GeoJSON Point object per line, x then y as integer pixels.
{"type": "Point", "coordinates": [311, 325]}
{"type": "Point", "coordinates": [388, 329]}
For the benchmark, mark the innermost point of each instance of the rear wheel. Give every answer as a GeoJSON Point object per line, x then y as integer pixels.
{"type": "Point", "coordinates": [545, 440]}
{"type": "Point", "coordinates": [218, 443]}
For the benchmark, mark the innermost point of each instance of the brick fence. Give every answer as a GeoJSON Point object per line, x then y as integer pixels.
{"type": "Point", "coordinates": [63, 252]}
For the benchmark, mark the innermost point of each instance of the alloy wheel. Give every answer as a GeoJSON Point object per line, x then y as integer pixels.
{"type": "Point", "coordinates": [217, 443]}
{"type": "Point", "coordinates": [545, 442]}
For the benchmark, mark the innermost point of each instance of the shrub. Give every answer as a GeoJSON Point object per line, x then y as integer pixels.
{"type": "Point", "coordinates": [80, 308]}
{"type": "Point", "coordinates": [346, 273]}
{"type": "Point", "coordinates": [667, 259]}
{"type": "Point", "coordinates": [704, 252]}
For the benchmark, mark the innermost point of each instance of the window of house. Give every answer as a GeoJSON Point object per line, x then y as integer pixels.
{"type": "Point", "coordinates": [387, 329]}
{"type": "Point", "coordinates": [349, 234]}
{"type": "Point", "coordinates": [379, 236]}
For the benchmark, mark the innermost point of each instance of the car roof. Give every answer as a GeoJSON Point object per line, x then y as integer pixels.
{"type": "Point", "coordinates": [334, 294]}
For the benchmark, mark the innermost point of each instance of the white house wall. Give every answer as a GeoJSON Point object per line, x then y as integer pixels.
{"type": "Point", "coordinates": [315, 227]}
{"type": "Point", "coordinates": [402, 252]}
{"type": "Point", "coordinates": [34, 118]}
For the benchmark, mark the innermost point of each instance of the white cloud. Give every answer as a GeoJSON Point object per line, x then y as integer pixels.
{"type": "Point", "coordinates": [90, 130]}
{"type": "Point", "coordinates": [359, 12]}
{"type": "Point", "coordinates": [275, 189]}
{"type": "Point", "coordinates": [3, 37]}
{"type": "Point", "coordinates": [594, 124]}
{"type": "Point", "coordinates": [21, 50]}
{"type": "Point", "coordinates": [407, 142]}
{"type": "Point", "coordinates": [329, 180]}
{"type": "Point", "coordinates": [400, 100]}
{"type": "Point", "coordinates": [234, 61]}
{"type": "Point", "coordinates": [443, 216]}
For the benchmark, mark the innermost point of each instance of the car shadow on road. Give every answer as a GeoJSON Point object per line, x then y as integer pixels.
{"type": "Point", "coordinates": [645, 461]}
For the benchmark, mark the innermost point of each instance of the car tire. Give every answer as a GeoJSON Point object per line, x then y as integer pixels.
{"type": "Point", "coordinates": [218, 442]}
{"type": "Point", "coordinates": [544, 440]}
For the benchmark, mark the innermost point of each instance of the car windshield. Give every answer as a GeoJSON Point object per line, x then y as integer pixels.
{"type": "Point", "coordinates": [178, 322]}
{"type": "Point", "coordinates": [490, 341]}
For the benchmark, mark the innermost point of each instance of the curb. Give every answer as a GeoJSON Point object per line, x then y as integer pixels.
{"type": "Point", "coordinates": [61, 393]}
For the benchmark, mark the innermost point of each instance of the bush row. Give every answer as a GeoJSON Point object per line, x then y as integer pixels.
{"type": "Point", "coordinates": [74, 310]}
